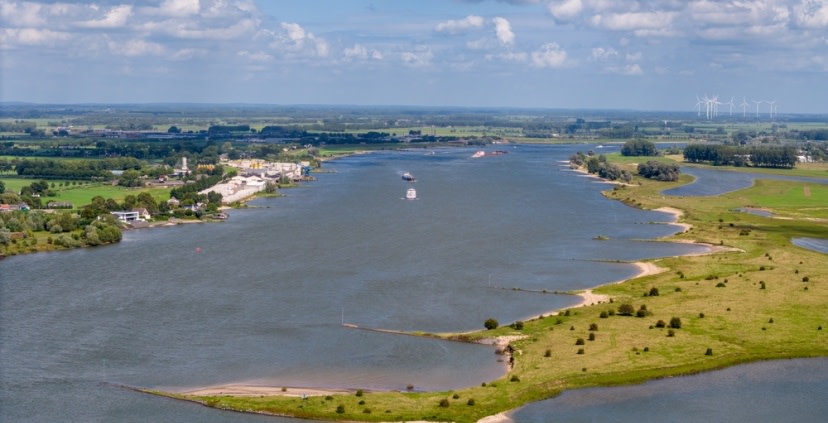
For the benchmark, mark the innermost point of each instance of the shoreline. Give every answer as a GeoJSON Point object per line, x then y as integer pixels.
{"type": "Point", "coordinates": [588, 298]}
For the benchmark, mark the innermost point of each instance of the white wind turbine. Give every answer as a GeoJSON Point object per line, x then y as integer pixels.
{"type": "Point", "coordinates": [758, 102]}
{"type": "Point", "coordinates": [698, 107]}
{"type": "Point", "coordinates": [744, 107]}
{"type": "Point", "coordinates": [771, 107]}
{"type": "Point", "coordinates": [731, 105]}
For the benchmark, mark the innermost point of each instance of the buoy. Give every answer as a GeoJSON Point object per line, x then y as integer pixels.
{"type": "Point", "coordinates": [198, 249]}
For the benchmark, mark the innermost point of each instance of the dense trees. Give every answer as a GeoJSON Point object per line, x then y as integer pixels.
{"type": "Point", "coordinates": [659, 171]}
{"type": "Point", "coordinates": [639, 148]}
{"type": "Point", "coordinates": [759, 156]}
{"type": "Point", "coordinates": [80, 169]}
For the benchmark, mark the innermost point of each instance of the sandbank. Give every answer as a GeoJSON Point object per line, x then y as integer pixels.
{"type": "Point", "coordinates": [244, 390]}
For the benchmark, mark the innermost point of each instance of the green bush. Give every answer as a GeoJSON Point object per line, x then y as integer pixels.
{"type": "Point", "coordinates": [340, 409]}
{"type": "Point", "coordinates": [444, 403]}
{"type": "Point", "coordinates": [470, 401]}
{"type": "Point", "coordinates": [490, 324]}
{"type": "Point", "coordinates": [626, 309]}
{"type": "Point", "coordinates": [675, 323]}
{"type": "Point", "coordinates": [579, 341]}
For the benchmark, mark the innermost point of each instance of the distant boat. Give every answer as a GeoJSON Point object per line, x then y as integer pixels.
{"type": "Point", "coordinates": [411, 194]}
{"type": "Point", "coordinates": [480, 153]}
{"type": "Point", "coordinates": [407, 176]}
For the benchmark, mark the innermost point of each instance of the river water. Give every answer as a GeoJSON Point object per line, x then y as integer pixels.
{"type": "Point", "coordinates": [261, 298]}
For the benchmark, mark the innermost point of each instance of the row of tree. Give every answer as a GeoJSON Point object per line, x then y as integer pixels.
{"type": "Point", "coordinates": [75, 169]}
{"type": "Point", "coordinates": [758, 156]}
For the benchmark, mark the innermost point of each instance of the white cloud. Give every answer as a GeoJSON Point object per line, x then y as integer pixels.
{"type": "Point", "coordinates": [633, 69]}
{"type": "Point", "coordinates": [360, 52]}
{"type": "Point", "coordinates": [456, 26]}
{"type": "Point", "coordinates": [115, 18]}
{"type": "Point", "coordinates": [180, 7]}
{"type": "Point", "coordinates": [550, 55]}
{"type": "Point", "coordinates": [603, 54]}
{"type": "Point", "coordinates": [30, 37]}
{"type": "Point", "coordinates": [22, 14]}
{"type": "Point", "coordinates": [565, 10]}
{"type": "Point", "coordinates": [297, 37]}
{"type": "Point", "coordinates": [503, 30]}
{"type": "Point", "coordinates": [136, 48]}
{"type": "Point", "coordinates": [643, 22]}
{"type": "Point", "coordinates": [634, 57]}
{"type": "Point", "coordinates": [812, 13]}
{"type": "Point", "coordinates": [197, 31]}
{"type": "Point", "coordinates": [420, 57]}
{"type": "Point", "coordinates": [259, 56]}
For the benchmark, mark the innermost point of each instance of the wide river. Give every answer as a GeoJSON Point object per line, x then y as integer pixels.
{"type": "Point", "coordinates": [261, 298]}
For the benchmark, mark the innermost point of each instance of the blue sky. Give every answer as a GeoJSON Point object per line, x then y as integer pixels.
{"type": "Point", "coordinates": [618, 54]}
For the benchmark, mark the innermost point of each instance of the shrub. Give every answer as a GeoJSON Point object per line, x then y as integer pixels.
{"type": "Point", "coordinates": [721, 285]}
{"type": "Point", "coordinates": [514, 378]}
{"type": "Point", "coordinates": [701, 315]}
{"type": "Point", "coordinates": [456, 396]}
{"type": "Point", "coordinates": [340, 409]}
{"type": "Point", "coordinates": [470, 401]}
{"type": "Point", "coordinates": [580, 350]}
{"type": "Point", "coordinates": [604, 315]}
{"type": "Point", "coordinates": [579, 341]}
{"type": "Point", "coordinates": [548, 353]}
{"type": "Point", "coordinates": [654, 292]}
{"type": "Point", "coordinates": [593, 326]}
{"type": "Point", "coordinates": [360, 392]}
{"type": "Point", "coordinates": [626, 309]}
{"type": "Point", "coordinates": [675, 323]}
{"type": "Point", "coordinates": [517, 325]}
{"type": "Point", "coordinates": [367, 411]}
{"type": "Point", "coordinates": [671, 333]}
{"type": "Point", "coordinates": [805, 279]}
{"type": "Point", "coordinates": [490, 324]}
{"type": "Point", "coordinates": [361, 402]}
{"type": "Point", "coordinates": [661, 324]}
{"type": "Point", "coordinates": [709, 351]}
{"type": "Point", "coordinates": [444, 403]}
{"type": "Point", "coordinates": [761, 284]}
{"type": "Point", "coordinates": [591, 336]}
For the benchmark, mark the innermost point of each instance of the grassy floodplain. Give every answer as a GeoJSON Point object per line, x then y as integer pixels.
{"type": "Point", "coordinates": [758, 297]}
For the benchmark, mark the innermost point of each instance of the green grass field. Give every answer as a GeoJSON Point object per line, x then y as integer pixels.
{"type": "Point", "coordinates": [82, 194]}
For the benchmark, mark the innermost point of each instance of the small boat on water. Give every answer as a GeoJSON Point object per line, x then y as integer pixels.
{"type": "Point", "coordinates": [478, 154]}
{"type": "Point", "coordinates": [411, 194]}
{"type": "Point", "coordinates": [407, 176]}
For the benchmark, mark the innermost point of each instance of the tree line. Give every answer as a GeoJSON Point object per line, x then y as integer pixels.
{"type": "Point", "coordinates": [757, 156]}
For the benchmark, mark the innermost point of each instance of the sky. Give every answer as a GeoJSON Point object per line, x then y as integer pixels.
{"type": "Point", "coordinates": [646, 55]}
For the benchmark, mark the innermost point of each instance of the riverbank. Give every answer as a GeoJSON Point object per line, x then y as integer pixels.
{"type": "Point", "coordinates": [726, 317]}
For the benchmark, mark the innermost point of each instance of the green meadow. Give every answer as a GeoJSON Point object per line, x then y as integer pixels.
{"type": "Point", "coordinates": [756, 296]}
{"type": "Point", "coordinates": [83, 192]}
